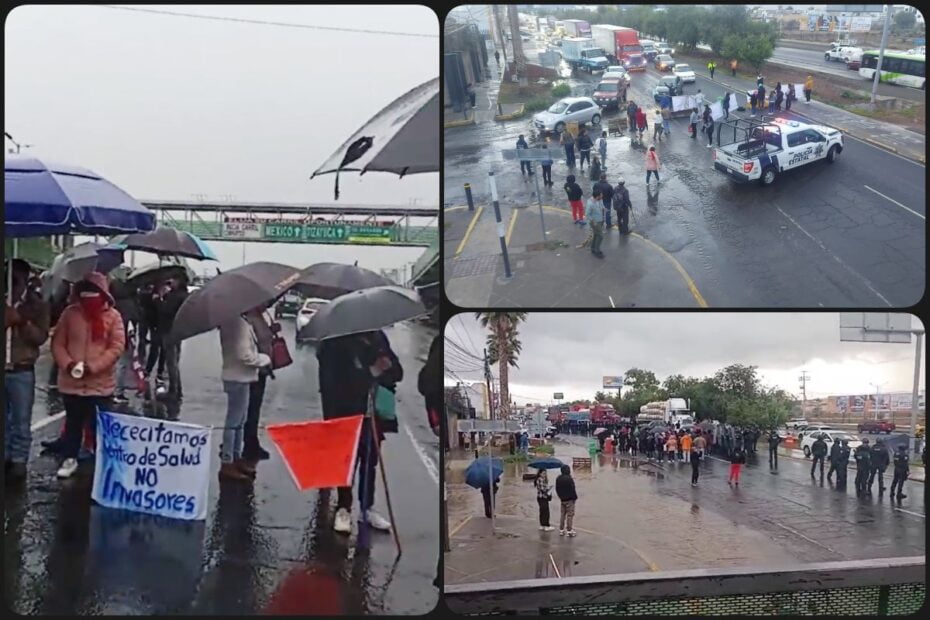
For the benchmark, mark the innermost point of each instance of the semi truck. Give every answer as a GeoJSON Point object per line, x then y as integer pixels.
{"type": "Point", "coordinates": [671, 411]}
{"type": "Point", "coordinates": [577, 28]}
{"type": "Point", "coordinates": [619, 42]}
{"type": "Point", "coordinates": [581, 53]}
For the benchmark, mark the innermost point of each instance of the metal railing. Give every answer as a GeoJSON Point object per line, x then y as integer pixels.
{"type": "Point", "coordinates": [885, 586]}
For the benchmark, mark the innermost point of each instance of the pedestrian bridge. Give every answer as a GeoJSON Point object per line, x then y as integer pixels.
{"type": "Point", "coordinates": [396, 226]}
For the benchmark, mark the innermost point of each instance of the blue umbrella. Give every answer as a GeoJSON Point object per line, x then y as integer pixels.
{"type": "Point", "coordinates": [479, 472]}
{"type": "Point", "coordinates": [44, 198]}
{"type": "Point", "coordinates": [546, 462]}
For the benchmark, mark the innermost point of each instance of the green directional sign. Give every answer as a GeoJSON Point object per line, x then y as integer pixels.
{"type": "Point", "coordinates": [292, 232]}
{"type": "Point", "coordinates": [325, 233]}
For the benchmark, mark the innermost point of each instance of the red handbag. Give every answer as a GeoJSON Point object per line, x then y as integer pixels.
{"type": "Point", "coordinates": [280, 356]}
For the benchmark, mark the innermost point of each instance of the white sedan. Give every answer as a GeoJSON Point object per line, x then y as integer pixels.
{"type": "Point", "coordinates": [829, 437]}
{"type": "Point", "coordinates": [310, 307]}
{"type": "Point", "coordinates": [685, 72]}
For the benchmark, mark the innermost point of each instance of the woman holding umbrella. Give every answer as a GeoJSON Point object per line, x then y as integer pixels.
{"type": "Point", "coordinates": [88, 341]}
{"type": "Point", "coordinates": [543, 497]}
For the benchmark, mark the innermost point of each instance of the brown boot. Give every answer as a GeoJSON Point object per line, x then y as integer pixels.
{"type": "Point", "coordinates": [246, 467]}
{"type": "Point", "coordinates": [229, 471]}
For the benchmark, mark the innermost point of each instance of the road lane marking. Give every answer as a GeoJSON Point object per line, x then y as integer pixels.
{"type": "Point", "coordinates": [456, 529]}
{"type": "Point", "coordinates": [895, 201]}
{"type": "Point", "coordinates": [797, 533]}
{"type": "Point", "coordinates": [692, 287]}
{"type": "Point", "coordinates": [421, 452]}
{"type": "Point", "coordinates": [916, 514]}
{"type": "Point", "coordinates": [471, 227]}
{"type": "Point", "coordinates": [43, 423]}
{"type": "Point", "coordinates": [513, 221]}
{"type": "Point", "coordinates": [611, 301]}
{"type": "Point", "coordinates": [865, 281]}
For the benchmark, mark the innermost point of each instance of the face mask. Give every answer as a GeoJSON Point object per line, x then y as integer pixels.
{"type": "Point", "coordinates": [92, 303]}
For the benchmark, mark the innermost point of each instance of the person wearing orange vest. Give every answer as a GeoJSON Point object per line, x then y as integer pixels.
{"type": "Point", "coordinates": [733, 67]}
{"type": "Point", "coordinates": [808, 87]}
{"type": "Point", "coordinates": [686, 446]}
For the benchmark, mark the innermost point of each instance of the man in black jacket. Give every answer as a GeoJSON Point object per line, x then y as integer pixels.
{"type": "Point", "coordinates": [349, 368]}
{"type": "Point", "coordinates": [863, 467]}
{"type": "Point", "coordinates": [607, 192]}
{"type": "Point", "coordinates": [167, 304]}
{"type": "Point", "coordinates": [565, 489]}
{"type": "Point", "coordinates": [842, 464]}
{"type": "Point", "coordinates": [774, 440]}
{"type": "Point", "coordinates": [834, 455]}
{"type": "Point", "coordinates": [621, 202]}
{"type": "Point", "coordinates": [819, 451]}
{"type": "Point", "coordinates": [879, 463]}
{"type": "Point", "coordinates": [584, 148]}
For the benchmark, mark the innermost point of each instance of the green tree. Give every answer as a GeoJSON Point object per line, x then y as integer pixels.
{"type": "Point", "coordinates": [504, 348]}
{"type": "Point", "coordinates": [904, 20]}
{"type": "Point", "coordinates": [601, 397]}
{"type": "Point", "coordinates": [737, 380]}
{"type": "Point", "coordinates": [733, 47]}
{"type": "Point", "coordinates": [757, 49]}
{"type": "Point", "coordinates": [683, 26]}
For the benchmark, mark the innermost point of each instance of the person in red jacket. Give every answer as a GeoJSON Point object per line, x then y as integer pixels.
{"type": "Point", "coordinates": [641, 124]}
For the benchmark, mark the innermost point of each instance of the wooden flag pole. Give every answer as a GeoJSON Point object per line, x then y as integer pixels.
{"type": "Point", "coordinates": [387, 493]}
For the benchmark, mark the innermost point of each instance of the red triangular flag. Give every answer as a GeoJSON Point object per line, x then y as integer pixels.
{"type": "Point", "coordinates": [320, 454]}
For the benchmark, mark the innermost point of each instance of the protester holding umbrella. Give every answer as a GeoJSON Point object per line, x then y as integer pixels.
{"type": "Point", "coordinates": [265, 331]}
{"type": "Point", "coordinates": [241, 362]}
{"type": "Point", "coordinates": [28, 318]}
{"type": "Point", "coordinates": [543, 497]}
{"type": "Point", "coordinates": [173, 294]}
{"type": "Point", "coordinates": [484, 474]}
{"type": "Point", "coordinates": [88, 341]}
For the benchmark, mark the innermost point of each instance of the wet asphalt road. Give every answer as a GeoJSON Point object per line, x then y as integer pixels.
{"type": "Point", "coordinates": [845, 235]}
{"type": "Point", "coordinates": [264, 547]}
{"type": "Point", "coordinates": [820, 522]}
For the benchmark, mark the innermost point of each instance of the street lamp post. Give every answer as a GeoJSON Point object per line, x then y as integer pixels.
{"type": "Point", "coordinates": [878, 387]}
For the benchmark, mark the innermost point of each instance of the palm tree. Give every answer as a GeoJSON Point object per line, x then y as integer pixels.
{"type": "Point", "coordinates": [503, 347]}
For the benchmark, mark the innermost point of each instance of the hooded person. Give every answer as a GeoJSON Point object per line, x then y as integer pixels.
{"type": "Point", "coordinates": [621, 202]}
{"type": "Point", "coordinates": [87, 344]}
{"type": "Point", "coordinates": [575, 194]}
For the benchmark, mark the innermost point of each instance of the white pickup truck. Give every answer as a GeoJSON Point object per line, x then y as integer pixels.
{"type": "Point", "coordinates": [842, 53]}
{"type": "Point", "coordinates": [764, 148]}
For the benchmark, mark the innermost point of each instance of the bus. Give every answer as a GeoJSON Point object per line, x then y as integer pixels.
{"type": "Point", "coordinates": [897, 68]}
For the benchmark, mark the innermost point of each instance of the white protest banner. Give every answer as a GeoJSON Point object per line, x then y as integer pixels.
{"type": "Point", "coordinates": [716, 110]}
{"type": "Point", "coordinates": [152, 466]}
{"type": "Point", "coordinates": [734, 104]}
{"type": "Point", "coordinates": [242, 228]}
{"type": "Point", "coordinates": [799, 90]}
{"type": "Point", "coordinates": [679, 103]}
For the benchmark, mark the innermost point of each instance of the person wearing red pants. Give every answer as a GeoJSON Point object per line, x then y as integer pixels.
{"type": "Point", "coordinates": [736, 464]}
{"type": "Point", "coordinates": [573, 190]}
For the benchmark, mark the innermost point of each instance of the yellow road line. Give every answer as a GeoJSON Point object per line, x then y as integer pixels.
{"type": "Point", "coordinates": [684, 274]}
{"type": "Point", "coordinates": [681, 270]}
{"type": "Point", "coordinates": [471, 227]}
{"type": "Point", "coordinates": [458, 208]}
{"type": "Point", "coordinates": [459, 526]}
{"type": "Point", "coordinates": [513, 220]}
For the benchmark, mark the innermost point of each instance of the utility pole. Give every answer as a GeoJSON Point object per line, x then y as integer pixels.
{"type": "Point", "coordinates": [487, 380]}
{"type": "Point", "coordinates": [502, 41]}
{"type": "Point", "coordinates": [878, 391]}
{"type": "Point", "coordinates": [914, 394]}
{"type": "Point", "coordinates": [881, 53]}
{"type": "Point", "coordinates": [518, 60]}
{"type": "Point", "coordinates": [803, 379]}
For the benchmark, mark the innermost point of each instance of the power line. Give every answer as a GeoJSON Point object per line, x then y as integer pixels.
{"type": "Point", "coordinates": [465, 329]}
{"type": "Point", "coordinates": [262, 22]}
{"type": "Point", "coordinates": [461, 350]}
{"type": "Point", "coordinates": [462, 340]}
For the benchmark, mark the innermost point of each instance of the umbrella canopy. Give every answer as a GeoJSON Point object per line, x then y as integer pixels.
{"type": "Point", "coordinates": [43, 198]}
{"type": "Point", "coordinates": [159, 272]}
{"type": "Point", "coordinates": [479, 472]}
{"type": "Point", "coordinates": [600, 431]}
{"type": "Point", "coordinates": [403, 138]}
{"type": "Point", "coordinates": [547, 462]}
{"type": "Point", "coordinates": [166, 241]}
{"type": "Point", "coordinates": [329, 280]}
{"type": "Point", "coordinates": [76, 262]}
{"type": "Point", "coordinates": [230, 294]}
{"type": "Point", "coordinates": [366, 310]}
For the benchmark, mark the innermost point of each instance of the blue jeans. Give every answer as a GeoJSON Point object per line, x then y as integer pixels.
{"type": "Point", "coordinates": [237, 410]}
{"type": "Point", "coordinates": [649, 174]}
{"type": "Point", "coordinates": [20, 396]}
{"type": "Point", "coordinates": [665, 126]}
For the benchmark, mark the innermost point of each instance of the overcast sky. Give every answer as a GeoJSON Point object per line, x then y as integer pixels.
{"type": "Point", "coordinates": [168, 107]}
{"type": "Point", "coordinates": [570, 352]}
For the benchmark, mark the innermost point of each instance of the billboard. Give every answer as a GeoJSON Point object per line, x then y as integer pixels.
{"type": "Point", "coordinates": [842, 404]}
{"type": "Point", "coordinates": [615, 382]}
{"type": "Point", "coordinates": [860, 24]}
{"type": "Point", "coordinates": [558, 396]}
{"type": "Point", "coordinates": [857, 404]}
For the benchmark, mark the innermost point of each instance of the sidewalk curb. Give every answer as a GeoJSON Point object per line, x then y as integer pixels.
{"type": "Point", "coordinates": [512, 116]}
{"type": "Point", "coordinates": [458, 123]}
{"type": "Point", "coordinates": [919, 158]}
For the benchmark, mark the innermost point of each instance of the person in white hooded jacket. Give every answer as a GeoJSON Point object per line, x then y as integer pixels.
{"type": "Point", "coordinates": [241, 361]}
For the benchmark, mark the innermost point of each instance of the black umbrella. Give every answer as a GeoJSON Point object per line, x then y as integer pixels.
{"type": "Point", "coordinates": [364, 310]}
{"type": "Point", "coordinates": [330, 280]}
{"type": "Point", "coordinates": [166, 241]}
{"type": "Point", "coordinates": [156, 272]}
{"type": "Point", "coordinates": [230, 294]}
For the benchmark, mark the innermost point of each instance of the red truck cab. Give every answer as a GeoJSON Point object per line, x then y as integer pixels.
{"type": "Point", "coordinates": [876, 426]}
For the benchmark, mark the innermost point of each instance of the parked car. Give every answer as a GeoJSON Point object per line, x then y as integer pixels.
{"type": "Point", "coordinates": [306, 312]}
{"type": "Point", "coordinates": [876, 426]}
{"type": "Point", "coordinates": [796, 423]}
{"type": "Point", "coordinates": [617, 71]}
{"type": "Point", "coordinates": [685, 72]}
{"type": "Point", "coordinates": [670, 85]}
{"type": "Point", "coordinates": [829, 436]}
{"type": "Point", "coordinates": [805, 431]}
{"type": "Point", "coordinates": [664, 62]}
{"type": "Point", "coordinates": [568, 110]}
{"type": "Point", "coordinates": [289, 304]}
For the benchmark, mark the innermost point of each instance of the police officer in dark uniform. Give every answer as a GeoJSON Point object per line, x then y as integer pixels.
{"type": "Point", "coordinates": [774, 440]}
{"type": "Point", "coordinates": [901, 469]}
{"type": "Point", "coordinates": [841, 463]}
{"type": "Point", "coordinates": [621, 202]}
{"type": "Point", "coordinates": [819, 451]}
{"type": "Point", "coordinates": [834, 454]}
{"type": "Point", "coordinates": [863, 467]}
{"type": "Point", "coordinates": [880, 458]}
